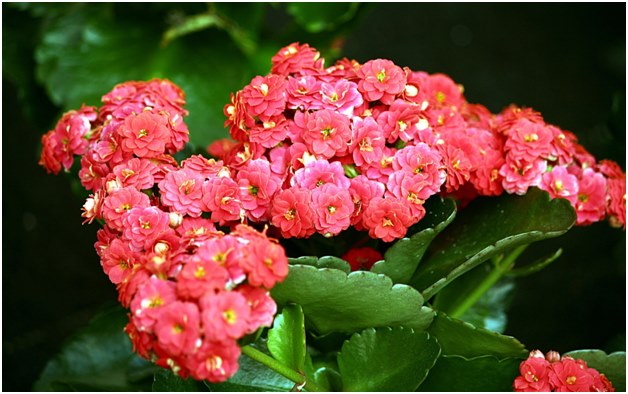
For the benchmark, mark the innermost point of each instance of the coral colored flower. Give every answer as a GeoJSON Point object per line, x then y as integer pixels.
{"type": "Point", "coordinates": [400, 121]}
{"type": "Point", "coordinates": [224, 315]}
{"type": "Point", "coordinates": [362, 258]}
{"type": "Point", "coordinates": [318, 173]}
{"type": "Point", "coordinates": [528, 141]}
{"type": "Point", "coordinates": [141, 225]}
{"type": "Point", "coordinates": [382, 80]}
{"type": "Point", "coordinates": [270, 132]}
{"type": "Point", "coordinates": [205, 167]}
{"type": "Point", "coordinates": [152, 295]}
{"type": "Point", "coordinates": [257, 185]}
{"type": "Point", "coordinates": [387, 219]}
{"type": "Point", "coordinates": [591, 202]}
{"type": "Point", "coordinates": [519, 176]}
{"type": "Point", "coordinates": [117, 204]}
{"type": "Point", "coordinates": [221, 197]}
{"type": "Point", "coordinates": [264, 262]}
{"type": "Point", "coordinates": [199, 276]}
{"type": "Point", "coordinates": [457, 165]}
{"type": "Point", "coordinates": [442, 91]}
{"type": "Point", "coordinates": [182, 191]}
{"type": "Point", "coordinates": [341, 96]}
{"type": "Point", "coordinates": [363, 190]}
{"type": "Point", "coordinates": [118, 261]}
{"type": "Point", "coordinates": [144, 135]}
{"type": "Point", "coordinates": [293, 58]}
{"type": "Point", "coordinates": [560, 183]}
{"type": "Point", "coordinates": [263, 307]}
{"type": "Point", "coordinates": [194, 231]}
{"type": "Point", "coordinates": [214, 361]}
{"type": "Point", "coordinates": [48, 158]}
{"type": "Point", "coordinates": [304, 92]}
{"type": "Point", "coordinates": [570, 375]}
{"type": "Point", "coordinates": [178, 328]}
{"type": "Point", "coordinates": [224, 251]}
{"type": "Point", "coordinates": [617, 201]}
{"type": "Point", "coordinates": [265, 97]}
{"type": "Point", "coordinates": [367, 141]}
{"type": "Point", "coordinates": [291, 213]}
{"type": "Point", "coordinates": [333, 208]}
{"type": "Point", "coordinates": [138, 173]}
{"type": "Point", "coordinates": [92, 209]}
{"type": "Point", "coordinates": [425, 163]}
{"type": "Point", "coordinates": [381, 169]}
{"type": "Point", "coordinates": [327, 133]}
{"type": "Point", "coordinates": [534, 375]}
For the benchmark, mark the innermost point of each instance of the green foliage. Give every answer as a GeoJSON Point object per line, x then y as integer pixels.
{"type": "Point", "coordinates": [612, 365]}
{"type": "Point", "coordinates": [97, 358]}
{"type": "Point", "coordinates": [166, 380]}
{"type": "Point", "coordinates": [322, 262]}
{"type": "Point", "coordinates": [488, 227]}
{"type": "Point", "coordinates": [484, 373]}
{"type": "Point", "coordinates": [334, 301]}
{"type": "Point", "coordinates": [403, 257]}
{"type": "Point", "coordinates": [387, 359]}
{"type": "Point", "coordinates": [286, 340]}
{"type": "Point", "coordinates": [315, 17]}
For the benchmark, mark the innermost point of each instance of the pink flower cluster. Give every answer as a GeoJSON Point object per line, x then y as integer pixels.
{"type": "Point", "coordinates": [192, 291]}
{"type": "Point", "coordinates": [551, 372]}
{"type": "Point", "coordinates": [318, 149]}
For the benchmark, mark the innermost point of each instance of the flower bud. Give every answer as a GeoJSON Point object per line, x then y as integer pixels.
{"type": "Point", "coordinates": [113, 185]}
{"type": "Point", "coordinates": [536, 354]}
{"type": "Point", "coordinates": [175, 219]}
{"type": "Point", "coordinates": [552, 356]}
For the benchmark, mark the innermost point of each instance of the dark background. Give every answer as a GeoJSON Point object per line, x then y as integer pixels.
{"type": "Point", "coordinates": [565, 60]}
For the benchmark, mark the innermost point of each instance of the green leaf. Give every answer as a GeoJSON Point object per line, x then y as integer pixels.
{"type": "Point", "coordinates": [286, 340]}
{"type": "Point", "coordinates": [612, 365]}
{"type": "Point", "coordinates": [252, 376]}
{"type": "Point", "coordinates": [401, 259]}
{"type": "Point", "coordinates": [487, 227]}
{"type": "Point", "coordinates": [489, 311]}
{"type": "Point", "coordinates": [97, 358]}
{"type": "Point", "coordinates": [316, 17]}
{"type": "Point", "coordinates": [485, 373]}
{"type": "Point", "coordinates": [462, 339]}
{"type": "Point", "coordinates": [166, 380]}
{"type": "Point", "coordinates": [86, 52]}
{"type": "Point", "coordinates": [334, 301]}
{"type": "Point", "coordinates": [538, 265]}
{"type": "Point", "coordinates": [323, 262]}
{"type": "Point", "coordinates": [387, 359]}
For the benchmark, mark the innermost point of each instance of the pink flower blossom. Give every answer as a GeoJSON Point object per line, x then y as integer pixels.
{"type": "Point", "coordinates": [304, 93]}
{"type": "Point", "coordinates": [519, 176]}
{"type": "Point", "coordinates": [138, 173]}
{"type": "Point", "coordinates": [529, 141]}
{"type": "Point", "coordinates": [333, 208]}
{"type": "Point", "coordinates": [265, 97]}
{"type": "Point", "coordinates": [118, 261]}
{"type": "Point", "coordinates": [591, 202]}
{"type": "Point", "coordinates": [293, 58]}
{"type": "Point", "coordinates": [560, 183]}
{"type": "Point", "coordinates": [570, 375]}
{"type": "Point", "coordinates": [363, 190]}
{"type": "Point", "coordinates": [205, 167]}
{"type": "Point", "coordinates": [221, 197]}
{"type": "Point", "coordinates": [318, 173]}
{"type": "Point", "coordinates": [270, 132]}
{"type": "Point", "coordinates": [328, 133]}
{"type": "Point", "coordinates": [387, 219]}
{"type": "Point", "coordinates": [117, 204]}
{"type": "Point", "coordinates": [257, 185]}
{"type": "Point", "coordinates": [141, 225]}
{"type": "Point", "coordinates": [152, 295]}
{"type": "Point", "coordinates": [214, 361]}
{"type": "Point", "coordinates": [291, 213]}
{"type": "Point", "coordinates": [382, 80]}
{"type": "Point", "coordinates": [341, 96]}
{"type": "Point", "coordinates": [443, 91]}
{"type": "Point", "coordinates": [263, 307]}
{"type": "Point", "coordinates": [423, 162]}
{"type": "Point", "coordinates": [224, 315]}
{"type": "Point", "coordinates": [400, 121]}
{"type": "Point", "coordinates": [178, 328]}
{"type": "Point", "coordinates": [367, 141]}
{"type": "Point", "coordinates": [48, 158]}
{"type": "Point", "coordinates": [145, 134]}
{"type": "Point", "coordinates": [182, 191]}
{"type": "Point", "coordinates": [534, 375]}
{"type": "Point", "coordinates": [264, 262]}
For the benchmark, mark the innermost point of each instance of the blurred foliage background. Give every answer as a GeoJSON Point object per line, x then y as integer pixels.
{"type": "Point", "coordinates": [567, 61]}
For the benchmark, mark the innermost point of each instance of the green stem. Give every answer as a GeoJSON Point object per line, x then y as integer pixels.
{"type": "Point", "coordinates": [501, 268]}
{"type": "Point", "coordinates": [281, 369]}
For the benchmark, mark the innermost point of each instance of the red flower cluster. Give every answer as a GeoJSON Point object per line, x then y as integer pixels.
{"type": "Point", "coordinates": [322, 149]}
{"type": "Point", "coordinates": [551, 372]}
{"type": "Point", "coordinates": [192, 290]}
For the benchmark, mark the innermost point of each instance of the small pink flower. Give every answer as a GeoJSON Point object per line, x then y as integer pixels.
{"type": "Point", "coordinates": [291, 213]}
{"type": "Point", "coordinates": [182, 191]}
{"type": "Point", "coordinates": [178, 328]}
{"type": "Point", "coordinates": [423, 162]}
{"type": "Point", "coordinates": [529, 141]}
{"type": "Point", "coordinates": [117, 204]}
{"type": "Point", "coordinates": [141, 225]}
{"type": "Point", "coordinates": [519, 176]}
{"type": "Point", "coordinates": [194, 231]}
{"type": "Point", "coordinates": [152, 295]}
{"type": "Point", "coordinates": [367, 142]}
{"type": "Point", "coordinates": [144, 135]}
{"type": "Point", "coordinates": [341, 96]}
{"type": "Point", "coordinates": [560, 183]}
{"type": "Point", "coordinates": [318, 173]}
{"type": "Point", "coordinates": [534, 375]}
{"type": "Point", "coordinates": [617, 201]}
{"type": "Point", "coordinates": [457, 165]}
{"type": "Point", "coordinates": [270, 132]}
{"type": "Point", "coordinates": [411, 188]}
{"type": "Point", "coordinates": [257, 185]}
{"type": "Point", "coordinates": [263, 307]}
{"type": "Point", "coordinates": [363, 190]}
{"type": "Point", "coordinates": [224, 315]}
{"type": "Point", "coordinates": [443, 91]}
{"type": "Point", "coordinates": [138, 173]}
{"type": "Point", "coordinates": [387, 219]}
{"type": "Point", "coordinates": [204, 167]}
{"type": "Point", "coordinates": [221, 197]}
{"type": "Point", "coordinates": [264, 262]}
{"type": "Point", "coordinates": [265, 97]}
{"type": "Point", "coordinates": [570, 375]}
{"type": "Point", "coordinates": [400, 121]}
{"type": "Point", "coordinates": [382, 80]}
{"type": "Point", "coordinates": [224, 251]}
{"type": "Point", "coordinates": [118, 261]}
{"type": "Point", "coordinates": [304, 92]}
{"type": "Point", "coordinates": [215, 361]}
{"type": "Point", "coordinates": [333, 208]}
{"type": "Point", "coordinates": [362, 258]}
{"type": "Point", "coordinates": [200, 276]}
{"type": "Point", "coordinates": [381, 169]}
{"type": "Point", "coordinates": [591, 202]}
{"type": "Point", "coordinates": [293, 58]}
{"type": "Point", "coordinates": [328, 133]}
{"type": "Point", "coordinates": [92, 209]}
{"type": "Point", "coordinates": [92, 173]}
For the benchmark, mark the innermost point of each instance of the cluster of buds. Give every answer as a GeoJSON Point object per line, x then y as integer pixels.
{"type": "Point", "coordinates": [193, 291]}
{"type": "Point", "coordinates": [551, 372]}
{"type": "Point", "coordinates": [365, 145]}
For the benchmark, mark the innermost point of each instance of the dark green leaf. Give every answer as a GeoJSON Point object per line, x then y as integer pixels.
{"type": "Point", "coordinates": [253, 376]}
{"type": "Point", "coordinates": [486, 373]}
{"type": "Point", "coordinates": [612, 365]}
{"type": "Point", "coordinates": [286, 340]}
{"type": "Point", "coordinates": [335, 301]}
{"type": "Point", "coordinates": [317, 17]}
{"type": "Point", "coordinates": [489, 226]}
{"type": "Point", "coordinates": [462, 339]}
{"type": "Point", "coordinates": [489, 311]}
{"type": "Point", "coordinates": [323, 262]}
{"type": "Point", "coordinates": [97, 358]}
{"type": "Point", "coordinates": [166, 380]}
{"type": "Point", "coordinates": [536, 266]}
{"type": "Point", "coordinates": [401, 259]}
{"type": "Point", "coordinates": [387, 359]}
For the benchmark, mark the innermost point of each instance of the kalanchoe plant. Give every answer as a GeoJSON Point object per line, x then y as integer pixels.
{"type": "Point", "coordinates": [382, 184]}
